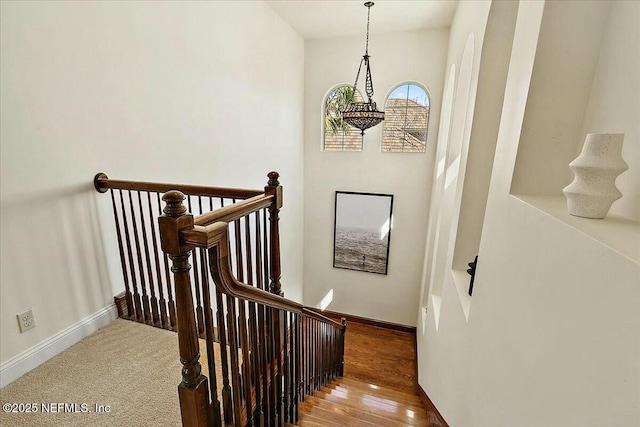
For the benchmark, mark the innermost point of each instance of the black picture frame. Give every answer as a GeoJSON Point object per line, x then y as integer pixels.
{"type": "Point", "coordinates": [362, 231]}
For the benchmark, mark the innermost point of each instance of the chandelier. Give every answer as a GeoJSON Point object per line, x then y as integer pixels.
{"type": "Point", "coordinates": [363, 115]}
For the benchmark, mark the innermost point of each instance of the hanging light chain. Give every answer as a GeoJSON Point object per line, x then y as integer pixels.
{"type": "Point", "coordinates": [355, 85]}
{"type": "Point", "coordinates": [368, 82]}
{"type": "Point", "coordinates": [363, 115]}
{"type": "Point", "coordinates": [365, 58]}
{"type": "Point", "coordinates": [368, 4]}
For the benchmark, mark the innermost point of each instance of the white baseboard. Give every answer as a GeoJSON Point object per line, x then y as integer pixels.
{"type": "Point", "coordinates": [19, 365]}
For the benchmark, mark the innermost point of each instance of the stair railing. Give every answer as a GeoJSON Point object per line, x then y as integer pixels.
{"type": "Point", "coordinates": [271, 351]}
{"type": "Point", "coordinates": [147, 296]}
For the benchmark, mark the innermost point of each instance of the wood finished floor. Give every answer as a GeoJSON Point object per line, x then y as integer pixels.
{"type": "Point", "coordinates": [381, 357]}
{"type": "Point", "coordinates": [378, 387]}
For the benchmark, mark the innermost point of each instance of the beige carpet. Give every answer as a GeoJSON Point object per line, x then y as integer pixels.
{"type": "Point", "coordinates": [132, 368]}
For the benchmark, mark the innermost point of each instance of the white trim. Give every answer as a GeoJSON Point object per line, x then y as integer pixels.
{"type": "Point", "coordinates": [29, 359]}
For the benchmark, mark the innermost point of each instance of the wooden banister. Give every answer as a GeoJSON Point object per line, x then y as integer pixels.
{"type": "Point", "coordinates": [193, 391]}
{"type": "Point", "coordinates": [148, 288]}
{"type": "Point", "coordinates": [274, 189]}
{"type": "Point", "coordinates": [235, 211]}
{"type": "Point", "coordinates": [223, 246]}
{"type": "Point", "coordinates": [278, 349]}
{"type": "Point", "coordinates": [216, 238]}
{"type": "Point", "coordinates": [102, 183]}
{"type": "Point", "coordinates": [311, 314]}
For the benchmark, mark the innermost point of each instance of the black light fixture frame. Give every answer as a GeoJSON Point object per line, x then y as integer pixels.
{"type": "Point", "coordinates": [364, 115]}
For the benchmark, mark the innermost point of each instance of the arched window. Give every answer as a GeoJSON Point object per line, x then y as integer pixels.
{"type": "Point", "coordinates": [406, 119]}
{"type": "Point", "coordinates": [338, 135]}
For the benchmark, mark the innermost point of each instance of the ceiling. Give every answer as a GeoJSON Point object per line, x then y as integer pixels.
{"type": "Point", "coordinates": [314, 19]}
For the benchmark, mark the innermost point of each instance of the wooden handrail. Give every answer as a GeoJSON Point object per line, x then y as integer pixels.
{"type": "Point", "coordinates": [217, 238]}
{"type": "Point", "coordinates": [308, 312]}
{"type": "Point", "coordinates": [102, 183]}
{"type": "Point", "coordinates": [279, 350]}
{"type": "Point", "coordinates": [235, 211]}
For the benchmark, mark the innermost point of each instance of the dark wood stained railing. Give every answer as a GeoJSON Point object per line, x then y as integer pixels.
{"type": "Point", "coordinates": [273, 351]}
{"type": "Point", "coordinates": [148, 295]}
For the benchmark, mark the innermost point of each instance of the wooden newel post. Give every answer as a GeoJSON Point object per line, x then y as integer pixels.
{"type": "Point", "coordinates": [274, 188]}
{"type": "Point", "coordinates": [193, 391]}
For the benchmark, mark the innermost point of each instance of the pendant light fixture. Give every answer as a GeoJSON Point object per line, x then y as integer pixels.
{"type": "Point", "coordinates": [364, 115]}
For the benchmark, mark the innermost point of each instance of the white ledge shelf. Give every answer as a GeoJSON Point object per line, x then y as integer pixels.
{"type": "Point", "coordinates": [616, 232]}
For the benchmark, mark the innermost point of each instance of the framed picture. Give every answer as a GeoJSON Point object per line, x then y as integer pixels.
{"type": "Point", "coordinates": [362, 231]}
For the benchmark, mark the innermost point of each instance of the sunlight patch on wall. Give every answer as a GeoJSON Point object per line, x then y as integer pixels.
{"type": "Point", "coordinates": [436, 301]}
{"type": "Point", "coordinates": [423, 312]}
{"type": "Point", "coordinates": [440, 168]}
{"type": "Point", "coordinates": [328, 298]}
{"type": "Point", "coordinates": [452, 172]}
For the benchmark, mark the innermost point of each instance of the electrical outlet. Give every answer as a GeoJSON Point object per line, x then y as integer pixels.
{"type": "Point", "coordinates": [26, 321]}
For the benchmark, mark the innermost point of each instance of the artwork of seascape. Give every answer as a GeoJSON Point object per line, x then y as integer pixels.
{"type": "Point", "coordinates": [362, 231]}
{"type": "Point", "coordinates": [360, 249]}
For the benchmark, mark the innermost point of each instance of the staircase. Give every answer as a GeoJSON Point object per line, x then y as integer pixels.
{"type": "Point", "coordinates": [351, 402]}
{"type": "Point", "coordinates": [285, 363]}
{"type": "Point", "coordinates": [379, 383]}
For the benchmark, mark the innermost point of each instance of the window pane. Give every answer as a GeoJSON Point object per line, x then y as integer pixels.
{"type": "Point", "coordinates": [338, 135]}
{"type": "Point", "coordinates": [406, 120]}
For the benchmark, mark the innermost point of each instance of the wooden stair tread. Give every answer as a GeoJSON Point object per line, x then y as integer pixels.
{"type": "Point", "coordinates": [389, 378]}
{"type": "Point", "coordinates": [310, 420]}
{"type": "Point", "coordinates": [366, 387]}
{"type": "Point", "coordinates": [351, 402]}
{"type": "Point", "coordinates": [379, 406]}
{"type": "Point", "coordinates": [365, 413]}
{"type": "Point", "coordinates": [333, 415]}
{"type": "Point", "coordinates": [340, 390]}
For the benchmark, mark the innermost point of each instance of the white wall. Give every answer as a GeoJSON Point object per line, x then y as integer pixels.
{"type": "Point", "coordinates": [552, 334]}
{"type": "Point", "coordinates": [613, 101]}
{"type": "Point", "coordinates": [492, 76]}
{"type": "Point", "coordinates": [557, 97]}
{"type": "Point", "coordinates": [195, 92]}
{"type": "Point", "coordinates": [594, 91]}
{"type": "Point", "coordinates": [413, 56]}
{"type": "Point", "coordinates": [445, 310]}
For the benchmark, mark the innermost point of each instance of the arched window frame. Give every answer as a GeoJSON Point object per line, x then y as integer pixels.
{"type": "Point", "coordinates": [405, 137]}
{"type": "Point", "coordinates": [346, 139]}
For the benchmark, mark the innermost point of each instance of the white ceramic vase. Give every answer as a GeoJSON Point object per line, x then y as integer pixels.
{"type": "Point", "coordinates": [593, 189]}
